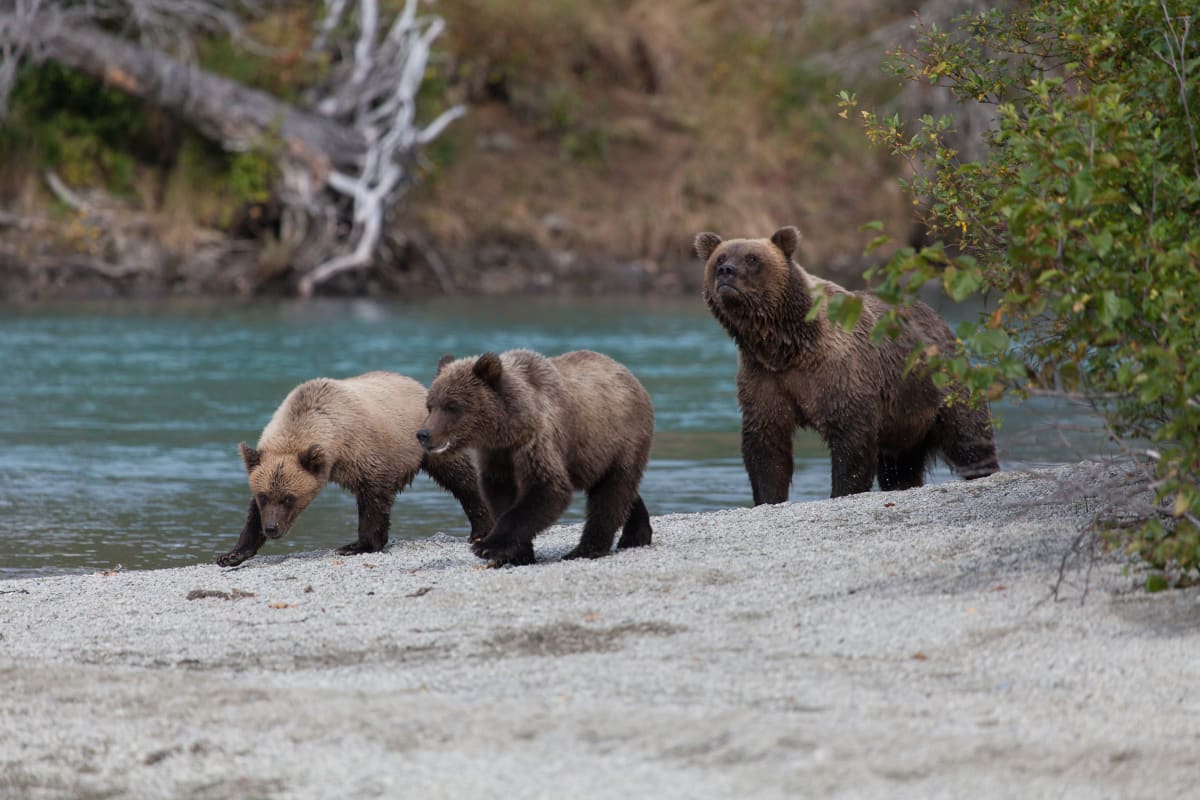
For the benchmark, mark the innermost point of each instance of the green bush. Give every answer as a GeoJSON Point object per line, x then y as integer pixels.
{"type": "Point", "coordinates": [1083, 225]}
{"type": "Point", "coordinates": [85, 131]}
{"type": "Point", "coordinates": [96, 137]}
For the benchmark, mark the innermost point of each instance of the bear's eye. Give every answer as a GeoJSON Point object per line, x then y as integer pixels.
{"type": "Point", "coordinates": [720, 259]}
{"type": "Point", "coordinates": [262, 498]}
{"type": "Point", "coordinates": [289, 501]}
{"type": "Point", "coordinates": [452, 408]}
{"type": "Point", "coordinates": [752, 260]}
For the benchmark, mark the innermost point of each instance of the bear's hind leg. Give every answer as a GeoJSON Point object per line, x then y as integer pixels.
{"type": "Point", "coordinates": [636, 532]}
{"type": "Point", "coordinates": [374, 517]}
{"type": "Point", "coordinates": [609, 505]}
{"type": "Point", "coordinates": [967, 441]}
{"type": "Point", "coordinates": [853, 460]}
{"type": "Point", "coordinates": [903, 470]}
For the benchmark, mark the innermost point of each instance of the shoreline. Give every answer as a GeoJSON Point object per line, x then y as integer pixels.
{"type": "Point", "coordinates": [903, 644]}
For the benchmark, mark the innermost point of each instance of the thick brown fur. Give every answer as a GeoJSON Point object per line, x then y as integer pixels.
{"type": "Point", "coordinates": [540, 428]}
{"type": "Point", "coordinates": [358, 433]}
{"type": "Point", "coordinates": [876, 418]}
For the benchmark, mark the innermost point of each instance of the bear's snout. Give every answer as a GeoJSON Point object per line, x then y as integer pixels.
{"type": "Point", "coordinates": [271, 529]}
{"type": "Point", "coordinates": [726, 270]}
{"type": "Point", "coordinates": [425, 437]}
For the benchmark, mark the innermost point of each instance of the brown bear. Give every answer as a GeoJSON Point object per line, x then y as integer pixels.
{"type": "Point", "coordinates": [876, 417]}
{"type": "Point", "coordinates": [539, 428]}
{"type": "Point", "coordinates": [359, 433]}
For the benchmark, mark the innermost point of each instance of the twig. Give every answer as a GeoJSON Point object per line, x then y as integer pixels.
{"type": "Point", "coordinates": [435, 262]}
{"type": "Point", "coordinates": [63, 193]}
{"type": "Point", "coordinates": [10, 220]}
{"type": "Point", "coordinates": [1087, 533]}
{"type": "Point", "coordinates": [1177, 50]}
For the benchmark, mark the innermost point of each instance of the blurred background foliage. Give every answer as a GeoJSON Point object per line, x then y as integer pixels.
{"type": "Point", "coordinates": [600, 137]}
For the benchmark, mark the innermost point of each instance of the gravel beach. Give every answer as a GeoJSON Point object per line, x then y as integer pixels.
{"type": "Point", "coordinates": [888, 645]}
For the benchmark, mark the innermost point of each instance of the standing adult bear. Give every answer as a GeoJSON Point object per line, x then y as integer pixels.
{"type": "Point", "coordinates": [876, 417]}
{"type": "Point", "coordinates": [539, 428]}
{"type": "Point", "coordinates": [359, 433]}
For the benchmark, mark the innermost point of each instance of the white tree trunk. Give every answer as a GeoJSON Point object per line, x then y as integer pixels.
{"type": "Point", "coordinates": [378, 100]}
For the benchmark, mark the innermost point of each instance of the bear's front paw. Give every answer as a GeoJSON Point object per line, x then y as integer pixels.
{"type": "Point", "coordinates": [233, 558]}
{"type": "Point", "coordinates": [502, 551]}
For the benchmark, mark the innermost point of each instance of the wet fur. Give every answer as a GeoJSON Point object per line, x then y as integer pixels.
{"type": "Point", "coordinates": [358, 433]}
{"type": "Point", "coordinates": [877, 421]}
{"type": "Point", "coordinates": [540, 428]}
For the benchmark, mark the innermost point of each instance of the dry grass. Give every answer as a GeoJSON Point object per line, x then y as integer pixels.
{"type": "Point", "coordinates": [608, 132]}
{"type": "Point", "coordinates": [708, 116]}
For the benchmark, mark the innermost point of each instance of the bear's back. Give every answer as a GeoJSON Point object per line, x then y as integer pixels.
{"type": "Point", "coordinates": [604, 385]}
{"type": "Point", "coordinates": [367, 419]}
{"type": "Point", "coordinates": [608, 413]}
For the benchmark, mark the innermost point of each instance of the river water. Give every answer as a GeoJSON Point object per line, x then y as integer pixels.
{"type": "Point", "coordinates": [119, 424]}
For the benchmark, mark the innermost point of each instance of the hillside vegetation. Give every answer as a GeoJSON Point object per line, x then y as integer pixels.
{"type": "Point", "coordinates": [599, 138]}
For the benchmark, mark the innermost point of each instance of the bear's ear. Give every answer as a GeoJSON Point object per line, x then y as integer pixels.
{"type": "Point", "coordinates": [250, 457]}
{"type": "Point", "coordinates": [312, 459]}
{"type": "Point", "coordinates": [488, 369]}
{"type": "Point", "coordinates": [786, 240]}
{"type": "Point", "coordinates": [442, 362]}
{"type": "Point", "coordinates": [704, 244]}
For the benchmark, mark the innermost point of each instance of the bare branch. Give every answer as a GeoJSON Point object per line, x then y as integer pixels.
{"type": "Point", "coordinates": [16, 45]}
{"type": "Point", "coordinates": [63, 193]}
{"type": "Point", "coordinates": [378, 99]}
{"type": "Point", "coordinates": [1177, 59]}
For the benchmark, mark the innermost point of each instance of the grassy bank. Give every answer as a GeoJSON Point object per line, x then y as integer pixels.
{"type": "Point", "coordinates": [600, 137]}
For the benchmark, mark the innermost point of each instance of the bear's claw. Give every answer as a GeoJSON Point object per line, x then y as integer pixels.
{"type": "Point", "coordinates": [518, 555]}
{"type": "Point", "coordinates": [233, 558]}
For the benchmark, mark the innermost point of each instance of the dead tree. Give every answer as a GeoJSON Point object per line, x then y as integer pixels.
{"type": "Point", "coordinates": [344, 161]}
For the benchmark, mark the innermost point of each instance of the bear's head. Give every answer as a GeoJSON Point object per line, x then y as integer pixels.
{"type": "Point", "coordinates": [465, 406]}
{"type": "Point", "coordinates": [745, 276]}
{"type": "Point", "coordinates": [284, 483]}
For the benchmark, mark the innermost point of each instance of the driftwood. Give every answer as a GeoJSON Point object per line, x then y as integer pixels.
{"type": "Point", "coordinates": [344, 161]}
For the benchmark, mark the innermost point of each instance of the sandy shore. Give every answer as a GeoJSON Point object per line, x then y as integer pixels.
{"type": "Point", "coordinates": [898, 645]}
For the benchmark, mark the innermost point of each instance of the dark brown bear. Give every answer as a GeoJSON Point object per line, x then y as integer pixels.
{"type": "Point", "coordinates": [876, 418]}
{"type": "Point", "coordinates": [539, 428]}
{"type": "Point", "coordinates": [358, 433]}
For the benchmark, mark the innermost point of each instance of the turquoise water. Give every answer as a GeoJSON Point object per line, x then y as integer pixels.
{"type": "Point", "coordinates": [119, 424]}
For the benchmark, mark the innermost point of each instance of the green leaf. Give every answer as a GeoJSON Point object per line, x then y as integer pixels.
{"type": "Point", "coordinates": [1080, 191]}
{"type": "Point", "coordinates": [845, 310]}
{"type": "Point", "coordinates": [1102, 242]}
{"type": "Point", "coordinates": [991, 342]}
{"type": "Point", "coordinates": [814, 311]}
{"type": "Point", "coordinates": [876, 243]}
{"type": "Point", "coordinates": [1110, 307]}
{"type": "Point", "coordinates": [961, 283]}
